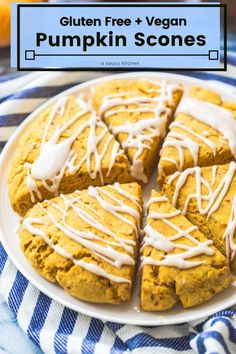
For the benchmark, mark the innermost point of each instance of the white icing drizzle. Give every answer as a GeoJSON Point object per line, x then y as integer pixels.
{"type": "Point", "coordinates": [203, 139]}
{"type": "Point", "coordinates": [181, 141]}
{"type": "Point", "coordinates": [137, 138]}
{"type": "Point", "coordinates": [55, 157]}
{"type": "Point", "coordinates": [103, 248]}
{"type": "Point", "coordinates": [166, 244]}
{"type": "Point", "coordinates": [32, 185]}
{"type": "Point", "coordinates": [229, 233]}
{"type": "Point", "coordinates": [121, 191]}
{"type": "Point", "coordinates": [115, 209]}
{"type": "Point", "coordinates": [213, 115]}
{"type": "Point", "coordinates": [214, 198]}
{"type": "Point", "coordinates": [169, 159]}
{"type": "Point", "coordinates": [214, 172]}
{"type": "Point", "coordinates": [137, 171]}
{"type": "Point", "coordinates": [141, 133]}
{"type": "Point", "coordinates": [116, 151]}
{"type": "Point", "coordinates": [157, 200]}
{"type": "Point", "coordinates": [206, 133]}
{"type": "Point", "coordinates": [91, 267]}
{"type": "Point", "coordinates": [171, 178]}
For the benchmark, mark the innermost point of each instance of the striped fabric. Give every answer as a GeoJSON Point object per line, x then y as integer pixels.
{"type": "Point", "coordinates": [57, 329]}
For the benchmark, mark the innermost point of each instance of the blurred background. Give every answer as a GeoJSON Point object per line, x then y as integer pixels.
{"type": "Point", "coordinates": [5, 26]}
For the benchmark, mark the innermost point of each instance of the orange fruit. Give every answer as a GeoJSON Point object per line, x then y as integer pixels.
{"type": "Point", "coordinates": [5, 20]}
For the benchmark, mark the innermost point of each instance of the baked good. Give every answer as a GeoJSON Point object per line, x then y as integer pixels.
{"type": "Point", "coordinates": [203, 133]}
{"type": "Point", "coordinates": [66, 148]}
{"type": "Point", "coordinates": [138, 113]}
{"type": "Point", "coordinates": [87, 241]}
{"type": "Point", "coordinates": [178, 262]}
{"type": "Point", "coordinates": [207, 196]}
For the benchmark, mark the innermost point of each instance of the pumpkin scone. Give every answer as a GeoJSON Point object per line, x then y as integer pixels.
{"type": "Point", "coordinates": [86, 241]}
{"type": "Point", "coordinates": [65, 148]}
{"type": "Point", "coordinates": [203, 133]}
{"type": "Point", "coordinates": [138, 113]}
{"type": "Point", "coordinates": [178, 262]}
{"type": "Point", "coordinates": [207, 196]}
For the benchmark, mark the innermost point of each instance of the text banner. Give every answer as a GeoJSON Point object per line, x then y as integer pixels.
{"type": "Point", "coordinates": [116, 36]}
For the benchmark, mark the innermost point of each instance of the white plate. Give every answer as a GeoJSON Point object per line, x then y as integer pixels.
{"type": "Point", "coordinates": [125, 313]}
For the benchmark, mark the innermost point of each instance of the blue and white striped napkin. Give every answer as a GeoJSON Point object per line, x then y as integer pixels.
{"type": "Point", "coordinates": [57, 329]}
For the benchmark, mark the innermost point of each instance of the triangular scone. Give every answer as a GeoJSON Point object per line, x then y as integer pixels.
{"type": "Point", "coordinates": [87, 241]}
{"type": "Point", "coordinates": [207, 196]}
{"type": "Point", "coordinates": [202, 134]}
{"type": "Point", "coordinates": [66, 148]}
{"type": "Point", "coordinates": [138, 113]}
{"type": "Point", "coordinates": [178, 262]}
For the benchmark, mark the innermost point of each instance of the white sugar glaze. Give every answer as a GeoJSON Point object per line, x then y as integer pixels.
{"type": "Point", "coordinates": [213, 115]}
{"type": "Point", "coordinates": [55, 157]}
{"type": "Point", "coordinates": [91, 267]}
{"type": "Point", "coordinates": [229, 233]}
{"type": "Point", "coordinates": [105, 249]}
{"type": "Point", "coordinates": [214, 173]}
{"type": "Point", "coordinates": [182, 141]}
{"type": "Point", "coordinates": [142, 132]}
{"type": "Point", "coordinates": [210, 114]}
{"type": "Point", "coordinates": [167, 244]}
{"type": "Point", "coordinates": [214, 198]}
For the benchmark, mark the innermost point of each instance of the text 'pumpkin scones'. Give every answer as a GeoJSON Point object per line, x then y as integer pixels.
{"type": "Point", "coordinates": [207, 196]}
{"type": "Point", "coordinates": [202, 134]}
{"type": "Point", "coordinates": [87, 241]}
{"type": "Point", "coordinates": [66, 148]}
{"type": "Point", "coordinates": [138, 113]}
{"type": "Point", "coordinates": [178, 262]}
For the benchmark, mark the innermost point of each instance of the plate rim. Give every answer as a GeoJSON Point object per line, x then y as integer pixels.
{"type": "Point", "coordinates": [40, 286]}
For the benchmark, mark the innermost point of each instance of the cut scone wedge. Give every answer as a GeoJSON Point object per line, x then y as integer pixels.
{"type": "Point", "coordinates": [138, 113]}
{"type": "Point", "coordinates": [207, 196]}
{"type": "Point", "coordinates": [203, 133]}
{"type": "Point", "coordinates": [65, 148]}
{"type": "Point", "coordinates": [178, 262]}
{"type": "Point", "coordinates": [87, 241]}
